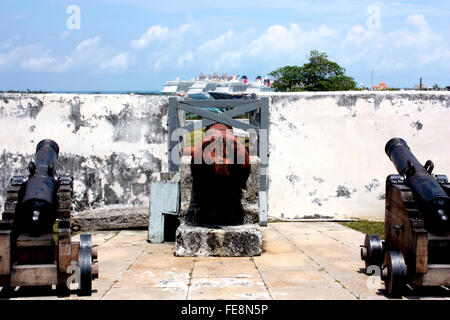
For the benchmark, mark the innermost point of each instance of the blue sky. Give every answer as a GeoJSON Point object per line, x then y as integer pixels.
{"type": "Point", "coordinates": [138, 45]}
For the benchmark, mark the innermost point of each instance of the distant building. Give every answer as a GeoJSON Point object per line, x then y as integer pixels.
{"type": "Point", "coordinates": [381, 86]}
{"type": "Point", "coordinates": [424, 87]}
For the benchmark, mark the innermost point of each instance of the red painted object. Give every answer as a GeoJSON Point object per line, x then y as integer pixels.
{"type": "Point", "coordinates": [220, 148]}
{"type": "Point", "coordinates": [220, 169]}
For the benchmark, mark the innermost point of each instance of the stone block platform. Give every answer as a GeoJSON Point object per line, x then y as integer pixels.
{"type": "Point", "coordinates": [221, 241]}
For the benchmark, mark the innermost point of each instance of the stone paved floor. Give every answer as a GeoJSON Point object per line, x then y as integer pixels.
{"type": "Point", "coordinates": [300, 260]}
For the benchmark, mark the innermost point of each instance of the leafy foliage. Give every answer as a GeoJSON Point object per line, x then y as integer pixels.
{"type": "Point", "coordinates": [288, 78]}
{"type": "Point", "coordinates": [318, 74]}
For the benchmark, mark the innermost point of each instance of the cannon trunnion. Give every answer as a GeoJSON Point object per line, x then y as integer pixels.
{"type": "Point", "coordinates": [31, 253]}
{"type": "Point", "coordinates": [416, 250]}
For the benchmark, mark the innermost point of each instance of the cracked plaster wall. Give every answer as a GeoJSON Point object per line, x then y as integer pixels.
{"type": "Point", "coordinates": [113, 145]}
{"type": "Point", "coordinates": [326, 149]}
{"type": "Point", "coordinates": [327, 154]}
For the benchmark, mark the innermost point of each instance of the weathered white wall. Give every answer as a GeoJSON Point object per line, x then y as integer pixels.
{"type": "Point", "coordinates": [327, 149]}
{"type": "Point", "coordinates": [113, 145]}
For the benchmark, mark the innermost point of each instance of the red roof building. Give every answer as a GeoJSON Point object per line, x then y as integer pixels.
{"type": "Point", "coordinates": [382, 85]}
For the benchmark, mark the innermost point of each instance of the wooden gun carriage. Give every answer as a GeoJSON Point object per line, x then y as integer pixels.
{"type": "Point", "coordinates": [416, 250]}
{"type": "Point", "coordinates": [31, 253]}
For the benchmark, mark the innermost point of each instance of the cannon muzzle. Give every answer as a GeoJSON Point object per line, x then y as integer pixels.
{"type": "Point", "coordinates": [432, 200]}
{"type": "Point", "coordinates": [37, 208]}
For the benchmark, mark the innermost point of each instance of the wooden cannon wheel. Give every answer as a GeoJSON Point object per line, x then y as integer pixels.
{"type": "Point", "coordinates": [394, 273]}
{"type": "Point", "coordinates": [85, 265]}
{"type": "Point", "coordinates": [372, 250]}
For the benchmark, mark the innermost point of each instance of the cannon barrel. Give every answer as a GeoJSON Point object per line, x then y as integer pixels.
{"type": "Point", "coordinates": [37, 208]}
{"type": "Point", "coordinates": [432, 200]}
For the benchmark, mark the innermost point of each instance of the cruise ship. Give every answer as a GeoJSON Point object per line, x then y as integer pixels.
{"type": "Point", "coordinates": [177, 87]}
{"type": "Point", "coordinates": [229, 90]}
{"type": "Point", "coordinates": [201, 88]}
{"type": "Point", "coordinates": [215, 87]}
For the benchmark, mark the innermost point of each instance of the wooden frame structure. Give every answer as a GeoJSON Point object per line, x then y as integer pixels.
{"type": "Point", "coordinates": [411, 254]}
{"type": "Point", "coordinates": [425, 253]}
{"type": "Point", "coordinates": [257, 128]}
{"type": "Point", "coordinates": [38, 260]}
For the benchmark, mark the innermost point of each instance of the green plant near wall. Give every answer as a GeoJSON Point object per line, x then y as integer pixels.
{"type": "Point", "coordinates": [366, 226]}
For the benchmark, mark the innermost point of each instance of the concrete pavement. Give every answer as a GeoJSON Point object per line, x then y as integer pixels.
{"type": "Point", "coordinates": [300, 260]}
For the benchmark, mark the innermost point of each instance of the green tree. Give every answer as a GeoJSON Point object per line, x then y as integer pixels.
{"type": "Point", "coordinates": [288, 78]}
{"type": "Point", "coordinates": [318, 74]}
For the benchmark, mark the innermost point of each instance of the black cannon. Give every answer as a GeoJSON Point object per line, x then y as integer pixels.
{"type": "Point", "coordinates": [37, 205]}
{"type": "Point", "coordinates": [416, 250]}
{"type": "Point", "coordinates": [31, 252]}
{"type": "Point", "coordinates": [431, 198]}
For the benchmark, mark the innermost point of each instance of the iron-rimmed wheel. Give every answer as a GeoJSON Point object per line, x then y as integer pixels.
{"type": "Point", "coordinates": [85, 265]}
{"type": "Point", "coordinates": [372, 250]}
{"type": "Point", "coordinates": [394, 273]}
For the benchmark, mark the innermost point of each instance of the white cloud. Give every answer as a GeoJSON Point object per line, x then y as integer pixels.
{"type": "Point", "coordinates": [188, 57]}
{"type": "Point", "coordinates": [278, 39]}
{"type": "Point", "coordinates": [217, 43]}
{"type": "Point", "coordinates": [414, 44]}
{"type": "Point", "coordinates": [9, 42]}
{"type": "Point", "coordinates": [167, 47]}
{"type": "Point", "coordinates": [13, 58]}
{"type": "Point", "coordinates": [65, 65]}
{"type": "Point", "coordinates": [229, 58]}
{"type": "Point", "coordinates": [232, 50]}
{"type": "Point", "coordinates": [418, 20]}
{"type": "Point", "coordinates": [65, 34]}
{"type": "Point", "coordinates": [118, 63]}
{"type": "Point", "coordinates": [278, 44]}
{"type": "Point", "coordinates": [154, 33]}
{"type": "Point", "coordinates": [358, 34]}
{"type": "Point", "coordinates": [199, 49]}
{"type": "Point", "coordinates": [42, 63]}
{"type": "Point", "coordinates": [87, 55]}
{"type": "Point", "coordinates": [420, 36]}
{"type": "Point", "coordinates": [161, 61]}
{"type": "Point", "coordinates": [86, 44]}
{"type": "Point", "coordinates": [206, 53]}
{"type": "Point", "coordinates": [159, 33]}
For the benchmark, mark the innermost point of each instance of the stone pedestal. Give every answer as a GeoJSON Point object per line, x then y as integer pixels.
{"type": "Point", "coordinates": [225, 241]}
{"type": "Point", "coordinates": [250, 196]}
{"type": "Point", "coordinates": [224, 237]}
